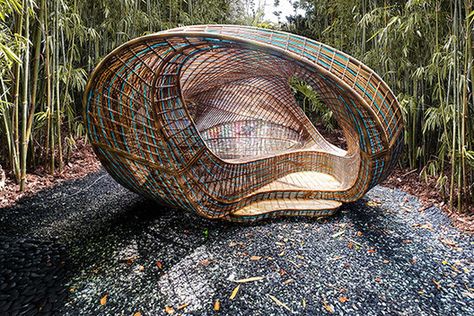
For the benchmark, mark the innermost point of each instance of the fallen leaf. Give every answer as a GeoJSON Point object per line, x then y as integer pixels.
{"type": "Point", "coordinates": [378, 279]}
{"type": "Point", "coordinates": [279, 303]}
{"type": "Point", "coordinates": [444, 262]}
{"type": "Point", "coordinates": [169, 310]}
{"type": "Point", "coordinates": [358, 245]}
{"type": "Point", "coordinates": [159, 264]}
{"type": "Point", "coordinates": [427, 226]}
{"type": "Point", "coordinates": [282, 272]}
{"type": "Point", "coordinates": [234, 292]}
{"type": "Point", "coordinates": [137, 314]}
{"type": "Point", "coordinates": [359, 234]}
{"type": "Point", "coordinates": [407, 241]}
{"type": "Point", "coordinates": [255, 258]}
{"type": "Point", "coordinates": [350, 245]}
{"type": "Point", "coordinates": [343, 299]}
{"type": "Point", "coordinates": [386, 261]}
{"type": "Point", "coordinates": [372, 250]}
{"type": "Point", "coordinates": [286, 282]}
{"type": "Point", "coordinates": [130, 260]}
{"type": "Point", "coordinates": [183, 306]}
{"type": "Point", "coordinates": [467, 294]}
{"type": "Point", "coordinates": [205, 262]}
{"type": "Point", "coordinates": [438, 284]}
{"type": "Point", "coordinates": [252, 279]}
{"type": "Point", "coordinates": [328, 307]}
{"type": "Point", "coordinates": [217, 305]}
{"type": "Point", "coordinates": [372, 203]}
{"type": "Point", "coordinates": [295, 264]}
{"type": "Point", "coordinates": [449, 242]}
{"type": "Point", "coordinates": [103, 300]}
{"type": "Point", "coordinates": [141, 268]}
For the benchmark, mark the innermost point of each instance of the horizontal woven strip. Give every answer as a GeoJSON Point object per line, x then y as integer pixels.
{"type": "Point", "coordinates": [203, 118]}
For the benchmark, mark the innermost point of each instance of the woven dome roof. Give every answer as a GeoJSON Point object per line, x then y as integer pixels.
{"type": "Point", "coordinates": [203, 118]}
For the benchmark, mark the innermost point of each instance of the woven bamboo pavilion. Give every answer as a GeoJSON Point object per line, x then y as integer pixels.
{"type": "Point", "coordinates": [203, 118]}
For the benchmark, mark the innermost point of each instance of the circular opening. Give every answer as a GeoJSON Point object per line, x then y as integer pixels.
{"type": "Point", "coordinates": [243, 104]}
{"type": "Point", "coordinates": [316, 109]}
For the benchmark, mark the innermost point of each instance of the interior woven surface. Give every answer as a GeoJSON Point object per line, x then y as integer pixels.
{"type": "Point", "coordinates": [203, 118]}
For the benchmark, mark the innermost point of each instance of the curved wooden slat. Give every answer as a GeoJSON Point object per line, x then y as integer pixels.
{"type": "Point", "coordinates": [203, 118]}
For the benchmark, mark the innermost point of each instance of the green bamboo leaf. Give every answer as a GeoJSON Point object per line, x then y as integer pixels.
{"type": "Point", "coordinates": [11, 56]}
{"type": "Point", "coordinates": [471, 16]}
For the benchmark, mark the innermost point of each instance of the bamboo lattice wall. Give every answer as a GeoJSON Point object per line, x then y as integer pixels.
{"type": "Point", "coordinates": [203, 118]}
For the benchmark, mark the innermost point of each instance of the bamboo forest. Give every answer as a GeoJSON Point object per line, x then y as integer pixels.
{"type": "Point", "coordinates": [424, 49]}
{"type": "Point", "coordinates": [237, 157]}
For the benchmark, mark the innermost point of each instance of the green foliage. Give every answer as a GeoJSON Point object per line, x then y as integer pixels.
{"type": "Point", "coordinates": [47, 49]}
{"type": "Point", "coordinates": [311, 103]}
{"type": "Point", "coordinates": [423, 49]}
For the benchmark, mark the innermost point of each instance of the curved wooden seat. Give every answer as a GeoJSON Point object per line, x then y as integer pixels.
{"type": "Point", "coordinates": [203, 118]}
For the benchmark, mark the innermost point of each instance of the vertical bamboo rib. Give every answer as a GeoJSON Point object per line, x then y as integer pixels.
{"type": "Point", "coordinates": [203, 117]}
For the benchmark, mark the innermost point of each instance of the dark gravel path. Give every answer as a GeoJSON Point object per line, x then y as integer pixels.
{"type": "Point", "coordinates": [66, 248]}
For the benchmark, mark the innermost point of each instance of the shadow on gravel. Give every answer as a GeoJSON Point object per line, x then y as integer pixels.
{"type": "Point", "coordinates": [371, 222]}
{"type": "Point", "coordinates": [66, 247]}
{"type": "Point", "coordinates": [44, 237]}
{"type": "Point", "coordinates": [33, 276]}
{"type": "Point", "coordinates": [80, 227]}
{"type": "Point", "coordinates": [76, 229]}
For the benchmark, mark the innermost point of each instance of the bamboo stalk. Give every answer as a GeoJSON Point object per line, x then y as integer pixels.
{"type": "Point", "coordinates": [25, 94]}
{"type": "Point", "coordinates": [58, 103]}
{"type": "Point", "coordinates": [49, 149]}
{"type": "Point", "coordinates": [7, 123]}
{"type": "Point", "coordinates": [465, 104]}
{"type": "Point", "coordinates": [455, 127]}
{"type": "Point", "coordinates": [36, 61]}
{"type": "Point", "coordinates": [16, 96]}
{"type": "Point", "coordinates": [34, 83]}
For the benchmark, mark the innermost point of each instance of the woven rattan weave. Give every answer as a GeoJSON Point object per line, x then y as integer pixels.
{"type": "Point", "coordinates": [203, 118]}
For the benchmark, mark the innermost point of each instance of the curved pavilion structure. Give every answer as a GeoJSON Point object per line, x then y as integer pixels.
{"type": "Point", "coordinates": [203, 118]}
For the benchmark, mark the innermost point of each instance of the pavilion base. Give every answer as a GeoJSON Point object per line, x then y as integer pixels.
{"type": "Point", "coordinates": [285, 207]}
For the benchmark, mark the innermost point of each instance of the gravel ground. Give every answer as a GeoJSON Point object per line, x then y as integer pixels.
{"type": "Point", "coordinates": [90, 247]}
